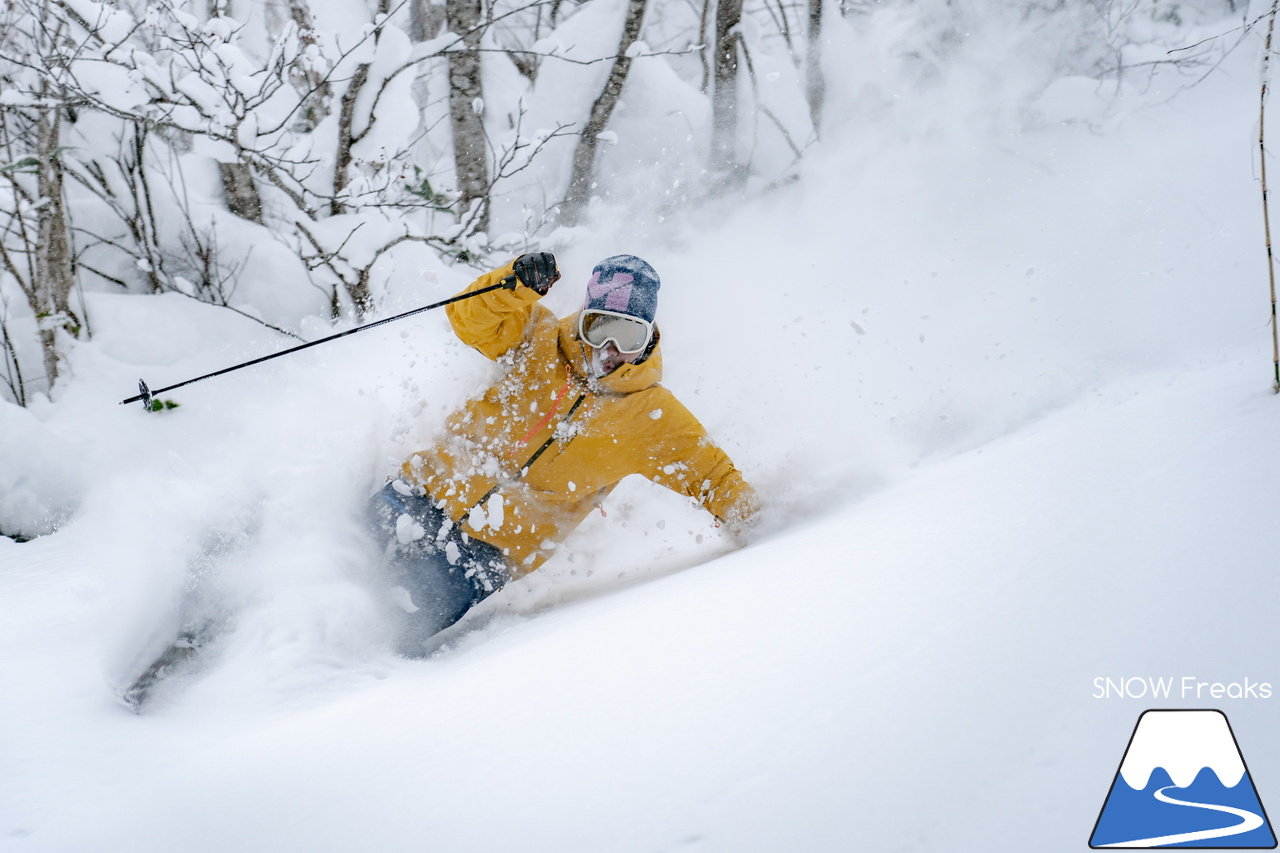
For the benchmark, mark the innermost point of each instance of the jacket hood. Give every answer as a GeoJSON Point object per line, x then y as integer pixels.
{"type": "Point", "coordinates": [627, 379]}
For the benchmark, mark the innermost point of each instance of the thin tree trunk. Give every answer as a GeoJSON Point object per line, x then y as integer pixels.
{"type": "Point", "coordinates": [425, 20]}
{"type": "Point", "coordinates": [346, 138]}
{"type": "Point", "coordinates": [242, 196]}
{"type": "Point", "coordinates": [54, 273]}
{"type": "Point", "coordinates": [702, 41]}
{"type": "Point", "coordinates": [1266, 208]}
{"type": "Point", "coordinates": [348, 134]}
{"type": "Point", "coordinates": [316, 109]}
{"type": "Point", "coordinates": [466, 110]}
{"type": "Point", "coordinates": [582, 175]}
{"type": "Point", "coordinates": [816, 84]}
{"type": "Point", "coordinates": [145, 230]}
{"type": "Point", "coordinates": [13, 370]}
{"type": "Point", "coordinates": [724, 104]}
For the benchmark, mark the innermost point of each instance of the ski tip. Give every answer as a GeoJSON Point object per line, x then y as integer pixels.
{"type": "Point", "coordinates": [174, 659]}
{"type": "Point", "coordinates": [135, 695]}
{"type": "Point", "coordinates": [131, 702]}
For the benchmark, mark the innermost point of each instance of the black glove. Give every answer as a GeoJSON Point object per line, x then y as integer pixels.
{"type": "Point", "coordinates": [538, 271]}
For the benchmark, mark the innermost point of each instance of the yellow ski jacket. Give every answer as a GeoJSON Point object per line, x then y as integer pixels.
{"type": "Point", "coordinates": [523, 464]}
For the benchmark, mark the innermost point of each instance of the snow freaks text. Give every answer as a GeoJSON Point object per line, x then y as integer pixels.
{"type": "Point", "coordinates": [1186, 687]}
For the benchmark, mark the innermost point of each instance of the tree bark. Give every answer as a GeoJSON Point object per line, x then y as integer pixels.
{"type": "Point", "coordinates": [581, 178]}
{"type": "Point", "coordinates": [13, 370]}
{"type": "Point", "coordinates": [707, 6]}
{"type": "Point", "coordinates": [724, 103]}
{"type": "Point", "coordinates": [316, 109]}
{"type": "Point", "coordinates": [346, 138]}
{"type": "Point", "coordinates": [242, 196]}
{"type": "Point", "coordinates": [466, 108]}
{"type": "Point", "coordinates": [348, 134]}
{"type": "Point", "coordinates": [54, 274]}
{"type": "Point", "coordinates": [425, 20]}
{"type": "Point", "coordinates": [816, 84]}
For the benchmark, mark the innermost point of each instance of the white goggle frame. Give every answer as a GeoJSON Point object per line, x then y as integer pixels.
{"type": "Point", "coordinates": [607, 330]}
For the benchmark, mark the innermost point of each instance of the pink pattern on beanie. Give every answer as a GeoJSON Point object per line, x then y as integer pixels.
{"type": "Point", "coordinates": [617, 291]}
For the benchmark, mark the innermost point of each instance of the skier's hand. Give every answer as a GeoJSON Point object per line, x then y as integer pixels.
{"type": "Point", "coordinates": [741, 518]}
{"type": "Point", "coordinates": [537, 271]}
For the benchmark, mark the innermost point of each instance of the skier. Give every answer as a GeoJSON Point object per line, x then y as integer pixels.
{"type": "Point", "coordinates": [578, 408]}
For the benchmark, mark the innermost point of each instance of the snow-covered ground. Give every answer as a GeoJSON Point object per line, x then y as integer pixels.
{"type": "Point", "coordinates": [1006, 389]}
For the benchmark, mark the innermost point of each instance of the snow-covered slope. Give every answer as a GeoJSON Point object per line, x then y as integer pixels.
{"type": "Point", "coordinates": [1006, 390]}
{"type": "Point", "coordinates": [911, 672]}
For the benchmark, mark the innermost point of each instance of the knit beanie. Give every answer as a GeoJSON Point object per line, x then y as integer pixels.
{"type": "Point", "coordinates": [624, 284]}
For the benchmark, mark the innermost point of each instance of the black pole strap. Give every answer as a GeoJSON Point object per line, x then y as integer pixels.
{"type": "Point", "coordinates": [147, 394]}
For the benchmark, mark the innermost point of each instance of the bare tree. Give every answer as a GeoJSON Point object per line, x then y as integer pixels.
{"type": "Point", "coordinates": [55, 275]}
{"type": "Point", "coordinates": [724, 104]}
{"type": "Point", "coordinates": [120, 179]}
{"type": "Point", "coordinates": [425, 19]}
{"type": "Point", "coordinates": [18, 237]}
{"type": "Point", "coordinates": [12, 369]}
{"type": "Point", "coordinates": [466, 110]}
{"type": "Point", "coordinates": [352, 128]}
{"type": "Point", "coordinates": [815, 82]}
{"type": "Point", "coordinates": [32, 131]}
{"type": "Point", "coordinates": [581, 177]}
{"type": "Point", "coordinates": [242, 194]}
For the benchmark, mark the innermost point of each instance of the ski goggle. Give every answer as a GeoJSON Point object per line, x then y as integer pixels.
{"type": "Point", "coordinates": [629, 334]}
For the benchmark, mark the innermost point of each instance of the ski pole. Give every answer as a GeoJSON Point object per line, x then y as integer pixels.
{"type": "Point", "coordinates": [145, 394]}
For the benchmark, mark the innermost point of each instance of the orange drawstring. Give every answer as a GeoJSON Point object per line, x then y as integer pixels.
{"type": "Point", "coordinates": [555, 404]}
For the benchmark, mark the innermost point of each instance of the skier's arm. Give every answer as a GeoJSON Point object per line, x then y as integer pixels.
{"type": "Point", "coordinates": [497, 321]}
{"type": "Point", "coordinates": [723, 490]}
{"type": "Point", "coordinates": [683, 458]}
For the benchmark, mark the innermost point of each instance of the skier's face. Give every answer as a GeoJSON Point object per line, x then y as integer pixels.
{"type": "Point", "coordinates": [608, 359]}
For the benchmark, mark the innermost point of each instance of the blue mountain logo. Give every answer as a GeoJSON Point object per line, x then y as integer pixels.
{"type": "Point", "coordinates": [1183, 783]}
